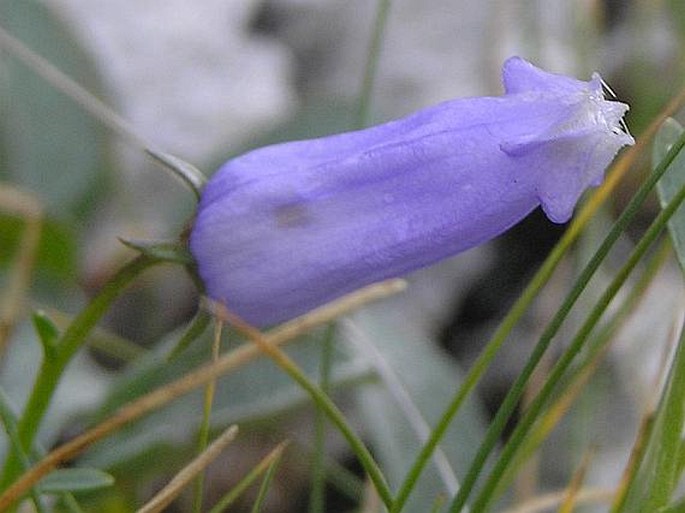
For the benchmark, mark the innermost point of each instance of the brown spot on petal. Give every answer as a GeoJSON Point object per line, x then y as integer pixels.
{"type": "Point", "coordinates": [292, 216]}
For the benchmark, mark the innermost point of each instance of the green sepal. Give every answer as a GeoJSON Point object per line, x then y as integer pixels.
{"type": "Point", "coordinates": [196, 328]}
{"type": "Point", "coordinates": [168, 251]}
{"type": "Point", "coordinates": [187, 173]}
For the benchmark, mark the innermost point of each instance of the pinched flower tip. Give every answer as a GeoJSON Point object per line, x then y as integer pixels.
{"type": "Point", "coordinates": [583, 140]}
{"type": "Point", "coordinates": [286, 228]}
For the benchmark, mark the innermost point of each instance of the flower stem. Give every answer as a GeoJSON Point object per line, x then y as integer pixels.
{"type": "Point", "coordinates": [52, 366]}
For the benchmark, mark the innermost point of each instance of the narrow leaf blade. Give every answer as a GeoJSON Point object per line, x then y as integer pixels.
{"type": "Point", "coordinates": [74, 480]}
{"type": "Point", "coordinates": [671, 182]}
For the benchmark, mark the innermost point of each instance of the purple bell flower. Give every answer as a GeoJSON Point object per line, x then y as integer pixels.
{"type": "Point", "coordinates": [286, 228]}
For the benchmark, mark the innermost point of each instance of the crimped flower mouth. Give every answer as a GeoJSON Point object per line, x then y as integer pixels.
{"type": "Point", "coordinates": [592, 112]}
{"type": "Point", "coordinates": [610, 111]}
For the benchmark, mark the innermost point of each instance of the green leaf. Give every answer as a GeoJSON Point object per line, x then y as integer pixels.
{"type": "Point", "coordinates": [80, 388]}
{"type": "Point", "coordinates": [677, 15]}
{"type": "Point", "coordinates": [671, 182]}
{"type": "Point", "coordinates": [75, 480]}
{"type": "Point", "coordinates": [430, 378]}
{"type": "Point", "coordinates": [266, 483]}
{"type": "Point", "coordinates": [48, 144]}
{"type": "Point", "coordinates": [678, 507]}
{"type": "Point", "coordinates": [170, 251]}
{"type": "Point", "coordinates": [661, 467]}
{"type": "Point", "coordinates": [195, 329]}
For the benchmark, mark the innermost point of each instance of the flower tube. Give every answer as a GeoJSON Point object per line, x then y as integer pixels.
{"type": "Point", "coordinates": [286, 228]}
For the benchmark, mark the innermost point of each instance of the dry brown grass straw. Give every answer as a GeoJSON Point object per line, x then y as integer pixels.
{"type": "Point", "coordinates": [167, 494]}
{"type": "Point", "coordinates": [201, 376]}
{"type": "Point", "coordinates": [551, 501]}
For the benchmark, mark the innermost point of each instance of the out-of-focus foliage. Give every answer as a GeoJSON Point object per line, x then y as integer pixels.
{"type": "Point", "coordinates": [430, 380]}
{"type": "Point", "coordinates": [54, 150]}
{"type": "Point", "coordinates": [49, 145]}
{"type": "Point", "coordinates": [253, 396]}
{"type": "Point", "coordinates": [56, 252]}
{"type": "Point", "coordinates": [75, 480]}
{"type": "Point", "coordinates": [672, 181]}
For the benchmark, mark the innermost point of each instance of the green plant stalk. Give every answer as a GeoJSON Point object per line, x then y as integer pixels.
{"type": "Point", "coordinates": [632, 466]}
{"type": "Point", "coordinates": [487, 493]}
{"type": "Point", "coordinates": [364, 112]}
{"type": "Point", "coordinates": [677, 507]}
{"type": "Point", "coordinates": [666, 440]}
{"type": "Point", "coordinates": [181, 170]}
{"type": "Point", "coordinates": [338, 419]}
{"type": "Point", "coordinates": [511, 400]}
{"type": "Point", "coordinates": [478, 369]}
{"type": "Point", "coordinates": [317, 502]}
{"type": "Point", "coordinates": [51, 369]}
{"type": "Point", "coordinates": [9, 421]}
{"type": "Point", "coordinates": [71, 504]}
{"type": "Point", "coordinates": [635, 295]}
{"type": "Point", "coordinates": [595, 350]}
{"type": "Point", "coordinates": [322, 401]}
{"type": "Point", "coordinates": [246, 481]}
{"type": "Point", "coordinates": [264, 488]}
{"type": "Point", "coordinates": [344, 480]}
{"type": "Point", "coordinates": [681, 457]}
{"type": "Point", "coordinates": [500, 336]}
{"type": "Point", "coordinates": [196, 328]}
{"type": "Point", "coordinates": [203, 434]}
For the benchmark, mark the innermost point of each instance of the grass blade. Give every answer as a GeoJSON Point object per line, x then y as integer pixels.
{"type": "Point", "coordinates": [266, 463]}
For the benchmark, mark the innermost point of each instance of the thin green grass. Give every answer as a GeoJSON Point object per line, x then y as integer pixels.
{"type": "Point", "coordinates": [574, 382]}
{"type": "Point", "coordinates": [237, 491]}
{"type": "Point", "coordinates": [663, 455]}
{"type": "Point", "coordinates": [578, 343]}
{"type": "Point", "coordinates": [203, 432]}
{"type": "Point", "coordinates": [10, 423]}
{"type": "Point", "coordinates": [317, 502]}
{"type": "Point", "coordinates": [371, 69]}
{"type": "Point", "coordinates": [53, 366]}
{"type": "Point", "coordinates": [266, 483]}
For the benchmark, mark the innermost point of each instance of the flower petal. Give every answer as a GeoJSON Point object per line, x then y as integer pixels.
{"type": "Point", "coordinates": [520, 76]}
{"type": "Point", "coordinates": [289, 227]}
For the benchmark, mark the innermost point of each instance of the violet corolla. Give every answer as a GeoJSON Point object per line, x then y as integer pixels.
{"type": "Point", "coordinates": [286, 228]}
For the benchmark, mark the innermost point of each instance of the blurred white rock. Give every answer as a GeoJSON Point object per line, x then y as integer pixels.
{"type": "Point", "coordinates": [432, 50]}
{"type": "Point", "coordinates": [187, 75]}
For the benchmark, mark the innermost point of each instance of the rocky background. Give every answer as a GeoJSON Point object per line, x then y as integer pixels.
{"type": "Point", "coordinates": [210, 78]}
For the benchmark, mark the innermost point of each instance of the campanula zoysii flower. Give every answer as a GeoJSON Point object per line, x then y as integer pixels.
{"type": "Point", "coordinates": [286, 228]}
